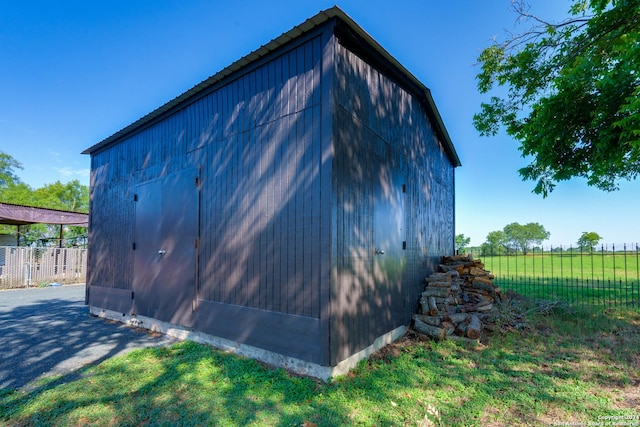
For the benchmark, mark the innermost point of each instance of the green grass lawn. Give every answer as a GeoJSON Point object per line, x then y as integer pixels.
{"type": "Point", "coordinates": [586, 266]}
{"type": "Point", "coordinates": [561, 368]}
{"type": "Point", "coordinates": [597, 279]}
{"type": "Point", "coordinates": [576, 292]}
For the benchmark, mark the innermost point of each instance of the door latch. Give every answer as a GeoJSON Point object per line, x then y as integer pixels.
{"type": "Point", "coordinates": [162, 252]}
{"type": "Point", "coordinates": [379, 252]}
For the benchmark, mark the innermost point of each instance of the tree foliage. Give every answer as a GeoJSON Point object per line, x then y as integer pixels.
{"type": "Point", "coordinates": [462, 242]}
{"type": "Point", "coordinates": [515, 237]}
{"type": "Point", "coordinates": [588, 240]}
{"type": "Point", "coordinates": [522, 237]}
{"type": "Point", "coordinates": [496, 243]}
{"type": "Point", "coordinates": [8, 166]}
{"type": "Point", "coordinates": [70, 196]}
{"type": "Point", "coordinates": [17, 193]}
{"type": "Point", "coordinates": [572, 94]}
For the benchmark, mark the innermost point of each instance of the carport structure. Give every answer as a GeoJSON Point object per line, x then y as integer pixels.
{"type": "Point", "coordinates": [19, 215]}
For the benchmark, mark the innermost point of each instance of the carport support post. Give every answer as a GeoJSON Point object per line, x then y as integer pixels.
{"type": "Point", "coordinates": [60, 244]}
{"type": "Point", "coordinates": [18, 236]}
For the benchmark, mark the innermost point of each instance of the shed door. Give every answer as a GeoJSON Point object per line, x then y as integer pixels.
{"type": "Point", "coordinates": [389, 234]}
{"type": "Point", "coordinates": [166, 236]}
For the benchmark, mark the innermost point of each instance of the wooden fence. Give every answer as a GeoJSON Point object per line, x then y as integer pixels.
{"type": "Point", "coordinates": [22, 267]}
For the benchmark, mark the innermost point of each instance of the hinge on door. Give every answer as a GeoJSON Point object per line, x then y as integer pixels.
{"type": "Point", "coordinates": [404, 188]}
{"type": "Point", "coordinates": [197, 181]}
{"type": "Point", "coordinates": [133, 294]}
{"type": "Point", "coordinates": [195, 243]}
{"type": "Point", "coordinates": [404, 245]}
{"type": "Point", "coordinates": [135, 197]}
{"type": "Point", "coordinates": [133, 246]}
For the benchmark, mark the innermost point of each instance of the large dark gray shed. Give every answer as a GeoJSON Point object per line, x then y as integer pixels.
{"type": "Point", "coordinates": [287, 208]}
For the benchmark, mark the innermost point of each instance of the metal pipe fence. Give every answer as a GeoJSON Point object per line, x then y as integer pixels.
{"type": "Point", "coordinates": [602, 276]}
{"type": "Point", "coordinates": [22, 267]}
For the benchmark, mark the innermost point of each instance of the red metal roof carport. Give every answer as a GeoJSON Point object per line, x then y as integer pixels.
{"type": "Point", "coordinates": [11, 214]}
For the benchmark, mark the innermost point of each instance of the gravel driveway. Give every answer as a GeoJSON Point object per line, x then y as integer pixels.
{"type": "Point", "coordinates": [46, 331]}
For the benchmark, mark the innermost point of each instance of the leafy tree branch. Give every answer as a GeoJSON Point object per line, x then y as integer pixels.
{"type": "Point", "coordinates": [572, 94]}
{"type": "Point", "coordinates": [70, 196]}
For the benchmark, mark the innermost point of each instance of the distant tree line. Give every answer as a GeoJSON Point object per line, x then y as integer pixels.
{"type": "Point", "coordinates": [70, 196]}
{"type": "Point", "coordinates": [515, 238]}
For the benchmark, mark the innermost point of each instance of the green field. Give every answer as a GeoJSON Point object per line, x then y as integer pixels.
{"type": "Point", "coordinates": [598, 278]}
{"type": "Point", "coordinates": [592, 266]}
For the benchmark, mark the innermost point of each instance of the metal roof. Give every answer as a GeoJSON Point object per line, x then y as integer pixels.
{"type": "Point", "coordinates": [22, 215]}
{"type": "Point", "coordinates": [295, 32]}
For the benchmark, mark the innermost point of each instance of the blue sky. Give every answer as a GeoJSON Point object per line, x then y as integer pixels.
{"type": "Point", "coordinates": [74, 72]}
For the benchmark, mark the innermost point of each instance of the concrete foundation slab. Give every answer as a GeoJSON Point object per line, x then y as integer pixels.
{"type": "Point", "coordinates": [278, 360]}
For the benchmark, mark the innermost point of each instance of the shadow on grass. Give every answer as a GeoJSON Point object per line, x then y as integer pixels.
{"type": "Point", "coordinates": [186, 384]}
{"type": "Point", "coordinates": [565, 367]}
{"type": "Point", "coordinates": [594, 294]}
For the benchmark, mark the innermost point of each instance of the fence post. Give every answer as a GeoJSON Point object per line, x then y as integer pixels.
{"type": "Point", "coordinates": [27, 274]}
{"type": "Point", "coordinates": [581, 269]}
{"type": "Point", "coordinates": [626, 276]}
{"type": "Point", "coordinates": [615, 290]}
{"type": "Point", "coordinates": [30, 266]}
{"type": "Point", "coordinates": [605, 292]}
{"type": "Point", "coordinates": [571, 261]}
{"type": "Point", "coordinates": [561, 268]}
{"type": "Point", "coordinates": [592, 275]}
{"type": "Point", "coordinates": [637, 276]}
{"type": "Point", "coordinates": [552, 271]}
{"type": "Point", "coordinates": [542, 259]}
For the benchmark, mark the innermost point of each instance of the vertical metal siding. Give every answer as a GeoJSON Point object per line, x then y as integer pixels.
{"type": "Point", "coordinates": [375, 114]}
{"type": "Point", "coordinates": [254, 224]}
{"type": "Point", "coordinates": [286, 215]}
{"type": "Point", "coordinates": [109, 256]}
{"type": "Point", "coordinates": [260, 213]}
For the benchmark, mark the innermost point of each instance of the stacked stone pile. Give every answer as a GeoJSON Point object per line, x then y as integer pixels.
{"type": "Point", "coordinates": [459, 302]}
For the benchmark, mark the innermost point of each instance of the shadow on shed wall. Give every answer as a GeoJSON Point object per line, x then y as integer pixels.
{"type": "Point", "coordinates": [282, 218]}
